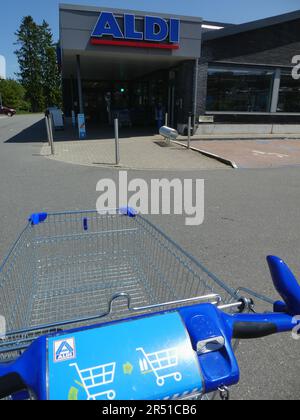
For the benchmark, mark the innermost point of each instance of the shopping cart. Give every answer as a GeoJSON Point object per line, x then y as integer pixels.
{"type": "Point", "coordinates": [160, 362]}
{"type": "Point", "coordinates": [95, 378]}
{"type": "Point", "coordinates": [86, 273]}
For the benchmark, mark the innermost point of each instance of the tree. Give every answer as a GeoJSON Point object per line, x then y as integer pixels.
{"type": "Point", "coordinates": [51, 73]}
{"type": "Point", "coordinates": [13, 95]}
{"type": "Point", "coordinates": [30, 63]}
{"type": "Point", "coordinates": [39, 72]}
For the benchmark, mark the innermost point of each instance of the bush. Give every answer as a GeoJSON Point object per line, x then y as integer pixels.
{"type": "Point", "coordinates": [13, 95]}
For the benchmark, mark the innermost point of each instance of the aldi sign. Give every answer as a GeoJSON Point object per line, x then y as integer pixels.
{"type": "Point", "coordinates": [155, 32]}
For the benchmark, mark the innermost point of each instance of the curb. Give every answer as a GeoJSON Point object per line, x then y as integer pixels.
{"type": "Point", "coordinates": [245, 137]}
{"type": "Point", "coordinates": [227, 162]}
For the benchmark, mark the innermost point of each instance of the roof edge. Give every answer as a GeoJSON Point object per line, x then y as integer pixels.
{"type": "Point", "coordinates": [76, 7]}
{"type": "Point", "coordinates": [252, 26]}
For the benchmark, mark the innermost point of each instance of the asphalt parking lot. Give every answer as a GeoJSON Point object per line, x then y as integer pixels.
{"type": "Point", "coordinates": [249, 214]}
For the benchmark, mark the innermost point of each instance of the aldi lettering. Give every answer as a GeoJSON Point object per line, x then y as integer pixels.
{"type": "Point", "coordinates": [157, 32]}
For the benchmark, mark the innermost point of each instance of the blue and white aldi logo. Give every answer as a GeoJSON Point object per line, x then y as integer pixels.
{"type": "Point", "coordinates": [64, 350]}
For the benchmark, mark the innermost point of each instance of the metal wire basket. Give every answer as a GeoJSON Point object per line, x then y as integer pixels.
{"type": "Point", "coordinates": [80, 268]}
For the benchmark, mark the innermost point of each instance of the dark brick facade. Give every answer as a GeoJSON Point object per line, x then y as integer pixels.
{"type": "Point", "coordinates": [184, 91]}
{"type": "Point", "coordinates": [273, 45]}
{"type": "Point", "coordinates": [202, 87]}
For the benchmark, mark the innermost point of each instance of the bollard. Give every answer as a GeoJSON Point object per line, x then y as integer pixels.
{"type": "Point", "coordinates": [189, 131]}
{"type": "Point", "coordinates": [51, 135]}
{"type": "Point", "coordinates": [48, 131]}
{"type": "Point", "coordinates": [117, 141]}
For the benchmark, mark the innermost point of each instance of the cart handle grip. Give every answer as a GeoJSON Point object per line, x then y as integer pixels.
{"type": "Point", "coordinates": [251, 326]}
{"type": "Point", "coordinates": [286, 284]}
{"type": "Point", "coordinates": [253, 330]}
{"type": "Point", "coordinates": [11, 384]}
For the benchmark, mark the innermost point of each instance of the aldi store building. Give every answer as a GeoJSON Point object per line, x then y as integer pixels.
{"type": "Point", "coordinates": [131, 63]}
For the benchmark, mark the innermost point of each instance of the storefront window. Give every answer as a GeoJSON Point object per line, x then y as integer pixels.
{"type": "Point", "coordinates": [140, 94]}
{"type": "Point", "coordinates": [239, 89]}
{"type": "Point", "coordinates": [289, 94]}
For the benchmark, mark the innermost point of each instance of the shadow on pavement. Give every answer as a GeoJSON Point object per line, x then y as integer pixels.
{"type": "Point", "coordinates": [35, 133]}
{"type": "Point", "coordinates": [97, 132]}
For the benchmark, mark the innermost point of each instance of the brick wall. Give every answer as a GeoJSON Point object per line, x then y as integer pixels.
{"type": "Point", "coordinates": [275, 45]}
{"type": "Point", "coordinates": [272, 46]}
{"type": "Point", "coordinates": [185, 91]}
{"type": "Point", "coordinates": [202, 87]}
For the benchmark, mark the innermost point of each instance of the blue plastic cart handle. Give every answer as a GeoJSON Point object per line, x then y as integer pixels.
{"type": "Point", "coordinates": [286, 284]}
{"type": "Point", "coordinates": [245, 326]}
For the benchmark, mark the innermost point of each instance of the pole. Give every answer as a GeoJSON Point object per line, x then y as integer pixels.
{"type": "Point", "coordinates": [166, 119]}
{"type": "Point", "coordinates": [196, 92]}
{"type": "Point", "coordinates": [1, 104]}
{"type": "Point", "coordinates": [173, 106]}
{"type": "Point", "coordinates": [79, 84]}
{"type": "Point", "coordinates": [275, 92]}
{"type": "Point", "coordinates": [189, 131]}
{"type": "Point", "coordinates": [117, 141]}
{"type": "Point", "coordinates": [48, 131]}
{"type": "Point", "coordinates": [51, 135]}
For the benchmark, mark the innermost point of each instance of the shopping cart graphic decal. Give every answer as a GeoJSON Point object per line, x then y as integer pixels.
{"type": "Point", "coordinates": [126, 361]}
{"type": "Point", "coordinates": [160, 363]}
{"type": "Point", "coordinates": [94, 378]}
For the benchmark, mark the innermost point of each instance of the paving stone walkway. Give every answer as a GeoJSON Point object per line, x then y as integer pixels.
{"type": "Point", "coordinates": [136, 153]}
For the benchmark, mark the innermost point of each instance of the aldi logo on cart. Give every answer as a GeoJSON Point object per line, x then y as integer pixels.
{"type": "Point", "coordinates": [64, 350]}
{"type": "Point", "coordinates": [129, 30]}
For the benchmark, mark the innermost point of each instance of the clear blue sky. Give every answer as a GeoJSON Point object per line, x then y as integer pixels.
{"type": "Point", "coordinates": [234, 11]}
